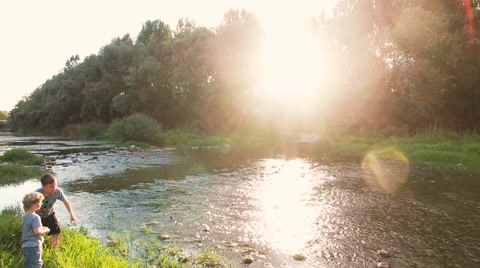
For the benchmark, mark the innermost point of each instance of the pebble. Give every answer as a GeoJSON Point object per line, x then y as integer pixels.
{"type": "Point", "coordinates": [383, 265]}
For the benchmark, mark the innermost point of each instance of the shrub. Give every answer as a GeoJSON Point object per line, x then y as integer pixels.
{"type": "Point", "coordinates": [21, 156]}
{"type": "Point", "coordinates": [135, 127]}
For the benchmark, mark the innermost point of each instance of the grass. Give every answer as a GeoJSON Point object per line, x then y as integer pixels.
{"type": "Point", "coordinates": [19, 165]}
{"type": "Point", "coordinates": [77, 249]}
{"type": "Point", "coordinates": [21, 156]}
{"type": "Point", "coordinates": [432, 151]}
{"type": "Point", "coordinates": [15, 173]}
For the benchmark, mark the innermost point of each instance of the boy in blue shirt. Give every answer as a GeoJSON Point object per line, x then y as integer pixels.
{"type": "Point", "coordinates": [32, 231]}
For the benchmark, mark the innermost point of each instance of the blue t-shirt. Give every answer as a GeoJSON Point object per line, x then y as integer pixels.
{"type": "Point", "coordinates": [30, 239]}
{"type": "Point", "coordinates": [47, 204]}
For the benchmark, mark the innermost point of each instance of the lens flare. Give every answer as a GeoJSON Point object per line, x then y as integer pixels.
{"type": "Point", "coordinates": [199, 171]}
{"type": "Point", "coordinates": [471, 26]}
{"type": "Point", "coordinates": [385, 170]}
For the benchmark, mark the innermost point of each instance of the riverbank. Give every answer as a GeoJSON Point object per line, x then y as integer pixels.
{"type": "Point", "coordinates": [78, 249]}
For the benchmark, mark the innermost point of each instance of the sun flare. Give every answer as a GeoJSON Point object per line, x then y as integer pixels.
{"type": "Point", "coordinates": [293, 67]}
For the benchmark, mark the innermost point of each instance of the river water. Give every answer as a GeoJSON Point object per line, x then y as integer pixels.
{"type": "Point", "coordinates": [334, 213]}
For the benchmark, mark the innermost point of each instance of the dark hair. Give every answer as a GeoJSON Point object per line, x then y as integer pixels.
{"type": "Point", "coordinates": [47, 179]}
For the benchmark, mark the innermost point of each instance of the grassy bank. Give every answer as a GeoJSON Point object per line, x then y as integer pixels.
{"type": "Point", "coordinates": [436, 152]}
{"type": "Point", "coordinates": [434, 149]}
{"type": "Point", "coordinates": [78, 249]}
{"type": "Point", "coordinates": [18, 165]}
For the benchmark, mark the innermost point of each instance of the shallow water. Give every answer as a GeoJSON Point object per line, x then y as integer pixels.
{"type": "Point", "coordinates": [335, 214]}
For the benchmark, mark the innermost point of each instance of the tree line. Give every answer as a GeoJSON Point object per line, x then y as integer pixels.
{"type": "Point", "coordinates": [393, 65]}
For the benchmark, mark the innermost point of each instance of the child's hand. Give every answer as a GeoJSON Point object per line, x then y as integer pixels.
{"type": "Point", "coordinates": [46, 229]}
{"type": "Point", "coordinates": [73, 219]}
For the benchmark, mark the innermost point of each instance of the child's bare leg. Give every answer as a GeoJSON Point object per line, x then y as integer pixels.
{"type": "Point", "coordinates": [54, 240]}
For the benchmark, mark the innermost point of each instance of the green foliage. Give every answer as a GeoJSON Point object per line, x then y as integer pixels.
{"type": "Point", "coordinates": [4, 115]}
{"type": "Point", "coordinates": [80, 250]}
{"type": "Point", "coordinates": [136, 127]}
{"type": "Point", "coordinates": [435, 151]}
{"type": "Point", "coordinates": [181, 139]}
{"type": "Point", "coordinates": [92, 130]}
{"type": "Point", "coordinates": [15, 173]}
{"type": "Point", "coordinates": [11, 231]}
{"type": "Point", "coordinates": [21, 156]}
{"type": "Point", "coordinates": [209, 258]}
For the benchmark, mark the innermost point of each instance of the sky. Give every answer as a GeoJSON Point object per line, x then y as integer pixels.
{"type": "Point", "coordinates": [39, 36]}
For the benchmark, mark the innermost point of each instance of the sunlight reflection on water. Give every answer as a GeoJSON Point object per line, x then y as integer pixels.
{"type": "Point", "coordinates": [11, 195]}
{"type": "Point", "coordinates": [287, 218]}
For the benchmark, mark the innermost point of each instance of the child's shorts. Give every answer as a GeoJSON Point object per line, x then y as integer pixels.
{"type": "Point", "coordinates": [52, 223]}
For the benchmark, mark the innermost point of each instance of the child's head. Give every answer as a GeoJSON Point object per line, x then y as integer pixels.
{"type": "Point", "coordinates": [48, 179]}
{"type": "Point", "coordinates": [49, 183]}
{"type": "Point", "coordinates": [30, 199]}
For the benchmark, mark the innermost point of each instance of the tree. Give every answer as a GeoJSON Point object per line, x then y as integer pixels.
{"type": "Point", "coordinates": [192, 72]}
{"type": "Point", "coordinates": [237, 52]}
{"type": "Point", "coordinates": [71, 63]}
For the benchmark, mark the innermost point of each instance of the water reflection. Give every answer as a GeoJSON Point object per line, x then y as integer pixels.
{"type": "Point", "coordinates": [11, 195]}
{"type": "Point", "coordinates": [287, 208]}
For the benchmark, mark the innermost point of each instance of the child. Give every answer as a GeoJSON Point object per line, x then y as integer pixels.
{"type": "Point", "coordinates": [32, 231]}
{"type": "Point", "coordinates": [52, 194]}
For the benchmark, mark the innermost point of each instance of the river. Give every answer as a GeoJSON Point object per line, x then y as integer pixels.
{"type": "Point", "coordinates": [334, 213]}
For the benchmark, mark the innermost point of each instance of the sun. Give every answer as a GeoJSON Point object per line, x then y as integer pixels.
{"type": "Point", "coordinates": [293, 66]}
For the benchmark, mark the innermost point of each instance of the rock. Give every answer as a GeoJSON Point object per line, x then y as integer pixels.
{"type": "Point", "coordinates": [164, 236]}
{"type": "Point", "coordinates": [383, 253]}
{"type": "Point", "coordinates": [383, 265]}
{"type": "Point", "coordinates": [247, 259]}
{"type": "Point", "coordinates": [51, 161]}
{"type": "Point", "coordinates": [299, 257]}
{"type": "Point", "coordinates": [231, 245]}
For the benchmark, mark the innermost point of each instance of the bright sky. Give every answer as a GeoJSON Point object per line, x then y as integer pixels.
{"type": "Point", "coordinates": [39, 36]}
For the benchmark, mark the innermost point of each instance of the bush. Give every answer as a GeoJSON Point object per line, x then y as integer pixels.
{"type": "Point", "coordinates": [21, 156]}
{"type": "Point", "coordinates": [135, 127]}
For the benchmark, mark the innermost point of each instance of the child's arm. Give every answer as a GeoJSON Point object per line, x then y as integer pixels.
{"type": "Point", "coordinates": [73, 219]}
{"type": "Point", "coordinates": [40, 230]}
